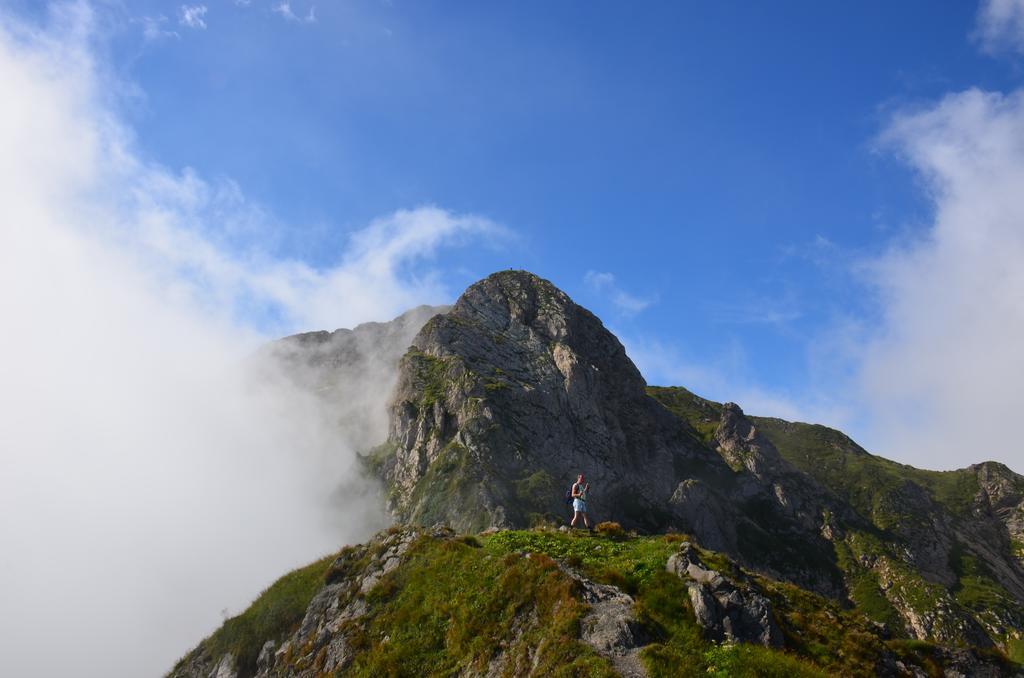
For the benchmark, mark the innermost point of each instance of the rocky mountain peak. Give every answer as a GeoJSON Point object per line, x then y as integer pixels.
{"type": "Point", "coordinates": [510, 314]}
{"type": "Point", "coordinates": [505, 399]}
{"type": "Point", "coordinates": [509, 298]}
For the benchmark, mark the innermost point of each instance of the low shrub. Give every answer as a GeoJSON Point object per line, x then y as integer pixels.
{"type": "Point", "coordinates": [611, 529]}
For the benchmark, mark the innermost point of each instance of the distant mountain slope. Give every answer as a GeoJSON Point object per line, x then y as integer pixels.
{"type": "Point", "coordinates": [941, 554]}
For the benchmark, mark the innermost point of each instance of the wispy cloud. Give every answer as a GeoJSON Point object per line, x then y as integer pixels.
{"type": "Point", "coordinates": [284, 8]}
{"type": "Point", "coordinates": [728, 376]}
{"type": "Point", "coordinates": [943, 376]}
{"type": "Point", "coordinates": [764, 311]}
{"type": "Point", "coordinates": [192, 16]}
{"type": "Point", "coordinates": [624, 302]}
{"type": "Point", "coordinates": [1000, 26]}
{"type": "Point", "coordinates": [155, 28]}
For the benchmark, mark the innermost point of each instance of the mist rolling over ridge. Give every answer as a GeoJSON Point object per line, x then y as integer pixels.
{"type": "Point", "coordinates": [150, 476]}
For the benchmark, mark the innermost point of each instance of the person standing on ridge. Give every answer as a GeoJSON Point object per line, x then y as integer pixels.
{"type": "Point", "coordinates": [579, 501]}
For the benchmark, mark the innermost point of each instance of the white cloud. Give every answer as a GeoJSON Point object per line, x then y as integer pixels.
{"type": "Point", "coordinates": [944, 376]}
{"type": "Point", "coordinates": [727, 377]}
{"type": "Point", "coordinates": [155, 28]}
{"type": "Point", "coordinates": [192, 16]}
{"type": "Point", "coordinates": [146, 481]}
{"type": "Point", "coordinates": [284, 8]}
{"type": "Point", "coordinates": [1000, 26]}
{"type": "Point", "coordinates": [604, 283]}
{"type": "Point", "coordinates": [764, 311]}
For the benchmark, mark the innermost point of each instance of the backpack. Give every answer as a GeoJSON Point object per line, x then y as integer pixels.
{"type": "Point", "coordinates": [568, 497]}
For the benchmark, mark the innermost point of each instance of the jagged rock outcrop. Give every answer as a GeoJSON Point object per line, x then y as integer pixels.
{"type": "Point", "coordinates": [1001, 496]}
{"type": "Point", "coordinates": [795, 518]}
{"type": "Point", "coordinates": [610, 626]}
{"type": "Point", "coordinates": [742, 445]}
{"type": "Point", "coordinates": [725, 610]}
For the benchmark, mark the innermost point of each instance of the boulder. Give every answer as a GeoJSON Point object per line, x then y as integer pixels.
{"type": "Point", "coordinates": [726, 610]}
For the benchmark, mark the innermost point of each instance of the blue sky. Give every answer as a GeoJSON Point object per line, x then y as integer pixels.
{"type": "Point", "coordinates": [713, 179]}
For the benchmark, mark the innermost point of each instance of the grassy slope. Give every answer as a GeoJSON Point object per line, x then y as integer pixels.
{"type": "Point", "coordinates": [836, 461]}
{"type": "Point", "coordinates": [871, 485]}
{"type": "Point", "coordinates": [275, 614]}
{"type": "Point", "coordinates": [453, 603]}
{"type": "Point", "coordinates": [637, 565]}
{"type": "Point", "coordinates": [863, 479]}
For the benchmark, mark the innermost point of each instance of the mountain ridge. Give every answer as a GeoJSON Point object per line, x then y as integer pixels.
{"type": "Point", "coordinates": [500, 400]}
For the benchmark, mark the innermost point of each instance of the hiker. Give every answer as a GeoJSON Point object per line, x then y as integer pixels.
{"type": "Point", "coordinates": [579, 501]}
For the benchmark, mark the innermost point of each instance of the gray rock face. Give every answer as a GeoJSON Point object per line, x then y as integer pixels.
{"type": "Point", "coordinates": [1001, 496]}
{"type": "Point", "coordinates": [696, 505]}
{"type": "Point", "coordinates": [610, 626]}
{"type": "Point", "coordinates": [742, 445]}
{"type": "Point", "coordinates": [322, 644]}
{"type": "Point", "coordinates": [725, 610]}
{"type": "Point", "coordinates": [503, 400]}
{"type": "Point", "coordinates": [202, 665]}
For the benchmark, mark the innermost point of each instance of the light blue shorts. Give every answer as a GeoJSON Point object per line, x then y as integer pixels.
{"type": "Point", "coordinates": [579, 505]}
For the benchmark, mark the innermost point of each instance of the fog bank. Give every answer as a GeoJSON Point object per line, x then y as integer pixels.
{"type": "Point", "coordinates": [149, 477]}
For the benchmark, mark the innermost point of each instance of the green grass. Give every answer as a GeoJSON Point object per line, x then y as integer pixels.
{"type": "Point", "coordinates": [497, 381]}
{"type": "Point", "coordinates": [978, 591]}
{"type": "Point", "coordinates": [454, 603]}
{"type": "Point", "coordinates": [754, 661]}
{"type": "Point", "coordinates": [446, 489]}
{"type": "Point", "coordinates": [1015, 650]}
{"type": "Point", "coordinates": [702, 415]}
{"type": "Point", "coordinates": [376, 458]}
{"type": "Point", "coordinates": [448, 608]}
{"type": "Point", "coordinates": [869, 599]}
{"type": "Point", "coordinates": [822, 638]}
{"type": "Point", "coordinates": [431, 375]}
{"type": "Point", "coordinates": [975, 590]}
{"type": "Point", "coordinates": [274, 615]}
{"type": "Point", "coordinates": [886, 494]}
{"type": "Point", "coordinates": [606, 559]}
{"type": "Point", "coordinates": [819, 630]}
{"type": "Point", "coordinates": [870, 484]}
